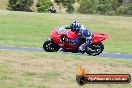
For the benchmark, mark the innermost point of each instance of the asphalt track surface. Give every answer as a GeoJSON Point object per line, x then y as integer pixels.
{"type": "Point", "coordinates": [104, 54]}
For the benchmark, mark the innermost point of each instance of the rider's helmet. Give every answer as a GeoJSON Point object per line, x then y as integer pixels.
{"type": "Point", "coordinates": [75, 26]}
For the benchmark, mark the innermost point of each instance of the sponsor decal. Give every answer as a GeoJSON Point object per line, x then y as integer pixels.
{"type": "Point", "coordinates": [82, 77]}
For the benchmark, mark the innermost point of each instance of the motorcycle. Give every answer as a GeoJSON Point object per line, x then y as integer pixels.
{"type": "Point", "coordinates": [59, 36]}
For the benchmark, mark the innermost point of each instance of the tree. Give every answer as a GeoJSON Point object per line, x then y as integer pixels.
{"type": "Point", "coordinates": [20, 5]}
{"type": "Point", "coordinates": [121, 10]}
{"type": "Point", "coordinates": [86, 6]}
{"type": "Point", "coordinates": [129, 10]}
{"type": "Point", "coordinates": [43, 5]}
{"type": "Point", "coordinates": [59, 2]}
{"type": "Point", "coordinates": [68, 4]}
{"type": "Point", "coordinates": [104, 6]}
{"type": "Point", "coordinates": [70, 8]}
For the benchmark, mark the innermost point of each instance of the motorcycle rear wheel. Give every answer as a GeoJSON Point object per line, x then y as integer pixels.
{"type": "Point", "coordinates": [50, 46]}
{"type": "Point", "coordinates": [95, 49]}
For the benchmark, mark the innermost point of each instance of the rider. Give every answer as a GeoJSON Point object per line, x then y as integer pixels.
{"type": "Point", "coordinates": [52, 9]}
{"type": "Point", "coordinates": [81, 32]}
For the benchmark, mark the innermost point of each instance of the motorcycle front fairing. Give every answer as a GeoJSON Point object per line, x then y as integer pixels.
{"type": "Point", "coordinates": [55, 36]}
{"type": "Point", "coordinates": [57, 33]}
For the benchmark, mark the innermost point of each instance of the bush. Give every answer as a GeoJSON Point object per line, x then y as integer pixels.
{"type": "Point", "coordinates": [85, 6]}
{"type": "Point", "coordinates": [66, 4]}
{"type": "Point", "coordinates": [111, 13]}
{"type": "Point", "coordinates": [20, 5]}
{"type": "Point", "coordinates": [129, 10]}
{"type": "Point", "coordinates": [121, 10]}
{"type": "Point", "coordinates": [103, 7]}
{"type": "Point", "coordinates": [43, 5]}
{"type": "Point", "coordinates": [70, 8]}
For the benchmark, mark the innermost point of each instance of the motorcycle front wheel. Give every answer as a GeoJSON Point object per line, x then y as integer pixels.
{"type": "Point", "coordinates": [95, 49]}
{"type": "Point", "coordinates": [50, 46]}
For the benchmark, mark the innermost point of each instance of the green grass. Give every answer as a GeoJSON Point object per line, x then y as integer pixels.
{"type": "Point", "coordinates": [55, 70]}
{"type": "Point", "coordinates": [32, 29]}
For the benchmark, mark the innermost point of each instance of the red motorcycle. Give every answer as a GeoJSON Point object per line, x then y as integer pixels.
{"type": "Point", "coordinates": [59, 36]}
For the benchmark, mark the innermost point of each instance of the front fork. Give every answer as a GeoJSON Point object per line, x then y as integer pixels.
{"type": "Point", "coordinates": [82, 48]}
{"type": "Point", "coordinates": [49, 39]}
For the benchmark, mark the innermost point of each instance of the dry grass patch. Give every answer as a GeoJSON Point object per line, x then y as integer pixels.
{"type": "Point", "coordinates": [54, 70]}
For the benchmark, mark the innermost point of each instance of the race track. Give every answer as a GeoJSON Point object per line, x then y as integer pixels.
{"type": "Point", "coordinates": [104, 54]}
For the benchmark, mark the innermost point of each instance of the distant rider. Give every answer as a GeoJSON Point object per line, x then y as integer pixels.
{"type": "Point", "coordinates": [52, 9]}
{"type": "Point", "coordinates": [81, 32]}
